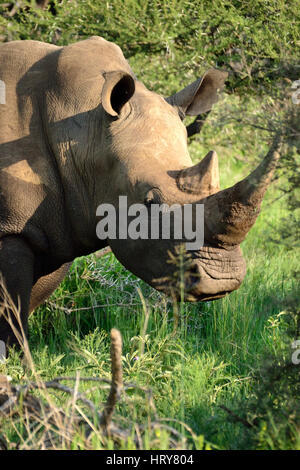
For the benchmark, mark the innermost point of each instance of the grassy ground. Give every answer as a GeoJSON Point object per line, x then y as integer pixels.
{"type": "Point", "coordinates": [194, 368]}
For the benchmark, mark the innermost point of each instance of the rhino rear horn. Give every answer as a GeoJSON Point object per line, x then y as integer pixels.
{"type": "Point", "coordinates": [231, 213]}
{"type": "Point", "coordinates": [199, 96]}
{"type": "Point", "coordinates": [117, 90]}
{"type": "Point", "coordinates": [202, 178]}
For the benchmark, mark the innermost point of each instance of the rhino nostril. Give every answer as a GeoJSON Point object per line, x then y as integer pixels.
{"type": "Point", "coordinates": [194, 274]}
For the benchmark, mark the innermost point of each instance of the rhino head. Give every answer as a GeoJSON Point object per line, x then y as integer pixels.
{"type": "Point", "coordinates": [150, 164]}
{"type": "Point", "coordinates": [112, 136]}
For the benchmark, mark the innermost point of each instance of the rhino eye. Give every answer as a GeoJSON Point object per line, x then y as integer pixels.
{"type": "Point", "coordinates": [153, 197]}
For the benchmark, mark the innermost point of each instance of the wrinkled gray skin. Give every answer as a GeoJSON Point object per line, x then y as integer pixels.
{"type": "Point", "coordinates": [77, 130]}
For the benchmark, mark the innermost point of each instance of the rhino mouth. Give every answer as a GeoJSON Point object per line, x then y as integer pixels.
{"type": "Point", "coordinates": [212, 273]}
{"type": "Point", "coordinates": [215, 272]}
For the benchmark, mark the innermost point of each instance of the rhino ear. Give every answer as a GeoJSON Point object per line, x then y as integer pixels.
{"type": "Point", "coordinates": [199, 96]}
{"type": "Point", "coordinates": [117, 90]}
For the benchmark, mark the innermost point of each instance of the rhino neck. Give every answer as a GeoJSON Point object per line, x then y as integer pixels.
{"type": "Point", "coordinates": [76, 158]}
{"type": "Point", "coordinates": [73, 120]}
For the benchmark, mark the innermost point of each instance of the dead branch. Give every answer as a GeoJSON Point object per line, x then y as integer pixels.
{"type": "Point", "coordinates": [68, 311]}
{"type": "Point", "coordinates": [63, 388]}
{"type": "Point", "coordinates": [17, 402]}
{"type": "Point", "coordinates": [103, 252]}
{"type": "Point", "coordinates": [236, 417]}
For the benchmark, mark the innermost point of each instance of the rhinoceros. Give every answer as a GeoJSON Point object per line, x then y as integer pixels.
{"type": "Point", "coordinates": [77, 129]}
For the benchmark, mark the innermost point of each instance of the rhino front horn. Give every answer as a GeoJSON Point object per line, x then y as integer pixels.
{"type": "Point", "coordinates": [201, 179]}
{"type": "Point", "coordinates": [230, 214]}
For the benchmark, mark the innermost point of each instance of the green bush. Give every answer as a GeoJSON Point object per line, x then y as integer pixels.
{"type": "Point", "coordinates": [256, 41]}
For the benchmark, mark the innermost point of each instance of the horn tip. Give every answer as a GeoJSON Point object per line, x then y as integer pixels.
{"type": "Point", "coordinates": [212, 158]}
{"type": "Point", "coordinates": [213, 154]}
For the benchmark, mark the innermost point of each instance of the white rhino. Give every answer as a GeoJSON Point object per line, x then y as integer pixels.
{"type": "Point", "coordinates": [77, 129]}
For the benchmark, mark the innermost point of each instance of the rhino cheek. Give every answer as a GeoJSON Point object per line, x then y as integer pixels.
{"type": "Point", "coordinates": [147, 259]}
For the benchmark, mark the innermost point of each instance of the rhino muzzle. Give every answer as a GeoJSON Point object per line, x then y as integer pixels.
{"type": "Point", "coordinates": [206, 274]}
{"type": "Point", "coordinates": [214, 272]}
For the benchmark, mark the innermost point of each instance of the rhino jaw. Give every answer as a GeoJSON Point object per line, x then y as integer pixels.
{"type": "Point", "coordinates": [207, 274]}
{"type": "Point", "coordinates": [214, 273]}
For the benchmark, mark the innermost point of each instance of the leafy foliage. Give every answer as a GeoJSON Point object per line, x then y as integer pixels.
{"type": "Point", "coordinates": [256, 41]}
